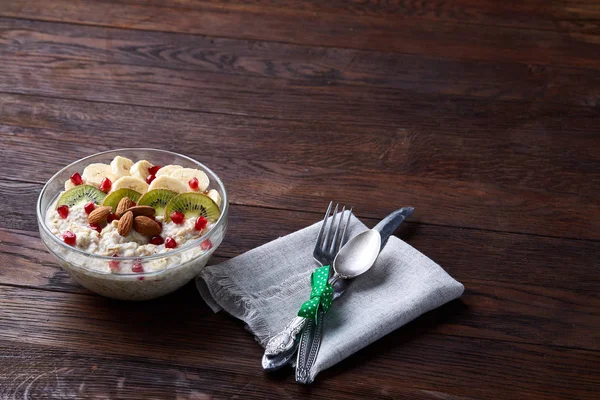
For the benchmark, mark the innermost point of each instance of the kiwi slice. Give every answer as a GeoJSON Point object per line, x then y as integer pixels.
{"type": "Point", "coordinates": [157, 198]}
{"type": "Point", "coordinates": [193, 204]}
{"type": "Point", "coordinates": [113, 199]}
{"type": "Point", "coordinates": [81, 194]}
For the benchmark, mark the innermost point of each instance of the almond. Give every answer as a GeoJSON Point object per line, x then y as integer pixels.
{"type": "Point", "coordinates": [142, 210]}
{"type": "Point", "coordinates": [125, 223]}
{"type": "Point", "coordinates": [124, 204]}
{"type": "Point", "coordinates": [98, 216]}
{"type": "Point", "coordinates": [146, 226]}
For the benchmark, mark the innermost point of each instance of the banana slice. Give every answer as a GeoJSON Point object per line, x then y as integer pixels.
{"type": "Point", "coordinates": [129, 182]}
{"type": "Point", "coordinates": [141, 169]}
{"type": "Point", "coordinates": [94, 173]}
{"type": "Point", "coordinates": [186, 174]}
{"type": "Point", "coordinates": [168, 170]}
{"type": "Point", "coordinates": [120, 166]}
{"type": "Point", "coordinates": [215, 196]}
{"type": "Point", "coordinates": [169, 183]}
{"type": "Point", "coordinates": [69, 184]}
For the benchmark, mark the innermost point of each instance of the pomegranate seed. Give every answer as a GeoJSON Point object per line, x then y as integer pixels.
{"type": "Point", "coordinates": [69, 238]}
{"type": "Point", "coordinates": [206, 245]}
{"type": "Point", "coordinates": [177, 217]}
{"type": "Point", "coordinates": [63, 211]}
{"type": "Point", "coordinates": [76, 179]}
{"type": "Point", "coordinates": [105, 185]}
{"type": "Point", "coordinates": [89, 207]}
{"type": "Point", "coordinates": [140, 278]}
{"type": "Point", "coordinates": [96, 227]}
{"type": "Point", "coordinates": [114, 265]}
{"type": "Point", "coordinates": [159, 224]}
{"type": "Point", "coordinates": [170, 243]}
{"type": "Point", "coordinates": [111, 217]}
{"type": "Point", "coordinates": [157, 240]}
{"type": "Point", "coordinates": [154, 170]}
{"type": "Point", "coordinates": [201, 223]}
{"type": "Point", "coordinates": [150, 178]}
{"type": "Point", "coordinates": [133, 204]}
{"type": "Point", "coordinates": [193, 183]}
{"type": "Point", "coordinates": [137, 268]}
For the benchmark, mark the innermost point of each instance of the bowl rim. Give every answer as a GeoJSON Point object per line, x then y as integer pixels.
{"type": "Point", "coordinates": [170, 253]}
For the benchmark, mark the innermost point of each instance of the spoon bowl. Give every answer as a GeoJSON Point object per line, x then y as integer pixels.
{"type": "Point", "coordinates": [358, 255]}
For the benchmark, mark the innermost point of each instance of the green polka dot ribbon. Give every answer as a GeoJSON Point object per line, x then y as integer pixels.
{"type": "Point", "coordinates": [321, 294]}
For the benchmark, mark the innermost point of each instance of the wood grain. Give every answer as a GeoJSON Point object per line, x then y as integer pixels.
{"type": "Point", "coordinates": [40, 44]}
{"type": "Point", "coordinates": [434, 38]}
{"type": "Point", "coordinates": [161, 331]}
{"type": "Point", "coordinates": [482, 114]}
{"type": "Point", "coordinates": [469, 142]}
{"type": "Point", "coordinates": [569, 15]}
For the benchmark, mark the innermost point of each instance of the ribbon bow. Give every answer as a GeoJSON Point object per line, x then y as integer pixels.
{"type": "Point", "coordinates": [321, 294]}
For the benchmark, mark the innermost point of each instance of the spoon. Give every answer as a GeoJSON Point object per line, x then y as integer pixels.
{"type": "Point", "coordinates": [355, 258]}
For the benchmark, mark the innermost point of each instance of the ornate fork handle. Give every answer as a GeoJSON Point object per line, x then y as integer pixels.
{"type": "Point", "coordinates": [285, 339]}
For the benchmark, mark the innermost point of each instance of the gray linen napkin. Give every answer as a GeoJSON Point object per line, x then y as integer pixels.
{"type": "Point", "coordinates": [265, 287]}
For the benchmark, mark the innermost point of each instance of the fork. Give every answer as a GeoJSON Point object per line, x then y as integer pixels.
{"type": "Point", "coordinates": [329, 241]}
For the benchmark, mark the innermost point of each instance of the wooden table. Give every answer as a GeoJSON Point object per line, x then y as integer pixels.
{"type": "Point", "coordinates": [483, 114]}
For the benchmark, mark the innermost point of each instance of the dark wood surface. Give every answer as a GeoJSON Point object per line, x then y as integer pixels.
{"type": "Point", "coordinates": [483, 114]}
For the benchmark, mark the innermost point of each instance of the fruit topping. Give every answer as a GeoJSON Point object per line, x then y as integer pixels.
{"type": "Point", "coordinates": [94, 174]}
{"type": "Point", "coordinates": [76, 179]}
{"type": "Point", "coordinates": [113, 199]}
{"type": "Point", "coordinates": [177, 217]}
{"type": "Point", "coordinates": [80, 194]}
{"type": "Point", "coordinates": [206, 245]}
{"type": "Point", "coordinates": [129, 182]}
{"type": "Point", "coordinates": [168, 183]}
{"type": "Point", "coordinates": [157, 240]}
{"type": "Point", "coordinates": [69, 238]}
{"type": "Point", "coordinates": [150, 178]}
{"type": "Point", "coordinates": [140, 169]}
{"type": "Point", "coordinates": [114, 265]}
{"type": "Point", "coordinates": [168, 170]}
{"type": "Point", "coordinates": [111, 217]}
{"type": "Point", "coordinates": [120, 166]}
{"type": "Point", "coordinates": [138, 268]}
{"type": "Point", "coordinates": [185, 175]}
{"type": "Point", "coordinates": [157, 199]}
{"type": "Point", "coordinates": [170, 243]}
{"type": "Point", "coordinates": [89, 207]}
{"type": "Point", "coordinates": [63, 211]}
{"type": "Point", "coordinates": [213, 194]}
{"type": "Point", "coordinates": [201, 223]}
{"type": "Point", "coordinates": [105, 185]}
{"type": "Point", "coordinates": [96, 227]}
{"type": "Point", "coordinates": [153, 170]}
{"type": "Point", "coordinates": [193, 183]}
{"type": "Point", "coordinates": [193, 205]}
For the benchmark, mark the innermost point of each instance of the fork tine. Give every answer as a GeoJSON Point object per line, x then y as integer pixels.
{"type": "Point", "coordinates": [335, 245]}
{"type": "Point", "coordinates": [328, 235]}
{"type": "Point", "coordinates": [320, 235]}
{"type": "Point", "coordinates": [343, 238]}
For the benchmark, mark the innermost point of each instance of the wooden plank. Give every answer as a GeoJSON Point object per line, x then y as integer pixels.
{"type": "Point", "coordinates": [46, 44]}
{"type": "Point", "coordinates": [435, 38]}
{"type": "Point", "coordinates": [42, 372]}
{"type": "Point", "coordinates": [568, 15]}
{"type": "Point", "coordinates": [162, 331]}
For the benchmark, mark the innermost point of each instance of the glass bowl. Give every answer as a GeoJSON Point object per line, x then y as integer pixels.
{"type": "Point", "coordinates": [169, 271]}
